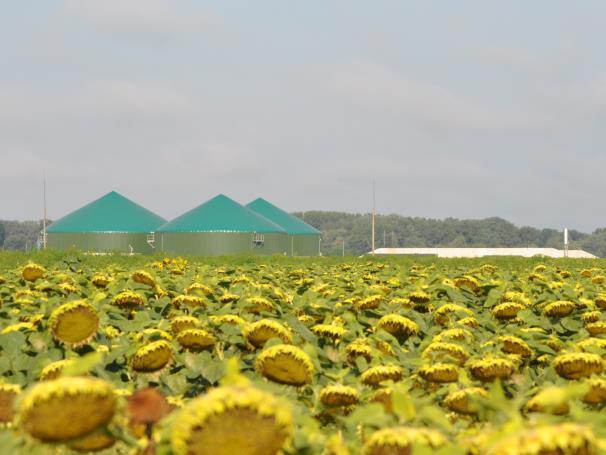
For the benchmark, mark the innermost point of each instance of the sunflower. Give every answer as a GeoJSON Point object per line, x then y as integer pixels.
{"type": "Point", "coordinates": [94, 442]}
{"type": "Point", "coordinates": [559, 308]}
{"type": "Point", "coordinates": [454, 334]}
{"type": "Point", "coordinates": [551, 400]}
{"type": "Point", "coordinates": [286, 364]}
{"type": "Point", "coordinates": [331, 331]}
{"type": "Point", "coordinates": [590, 316]}
{"type": "Point", "coordinates": [369, 303]}
{"type": "Point", "coordinates": [596, 328]}
{"type": "Point", "coordinates": [196, 339]}
{"type": "Point", "coordinates": [398, 326]}
{"type": "Point", "coordinates": [152, 357]}
{"type": "Point", "coordinates": [339, 395]}
{"type": "Point", "coordinates": [128, 300]}
{"type": "Point", "coordinates": [100, 280]}
{"type": "Point", "coordinates": [442, 315]}
{"type": "Point", "coordinates": [358, 348]}
{"type": "Point", "coordinates": [514, 345]}
{"type": "Point", "coordinates": [490, 368]}
{"type": "Point", "coordinates": [188, 300]}
{"type": "Point", "coordinates": [507, 310]}
{"type": "Point", "coordinates": [54, 369]}
{"type": "Point", "coordinates": [257, 304]}
{"type": "Point", "coordinates": [232, 420]}
{"type": "Point", "coordinates": [440, 349]}
{"type": "Point", "coordinates": [562, 438]}
{"type": "Point", "coordinates": [467, 282]}
{"type": "Point", "coordinates": [66, 408]}
{"type": "Point", "coordinates": [462, 401]}
{"type": "Point", "coordinates": [258, 333]}
{"type": "Point", "coordinates": [181, 323]}
{"type": "Point", "coordinates": [575, 365]}
{"type": "Point", "coordinates": [439, 372]}
{"type": "Point", "coordinates": [228, 297]}
{"type": "Point", "coordinates": [143, 277]}
{"type": "Point", "coordinates": [597, 391]}
{"type": "Point", "coordinates": [377, 374]}
{"type": "Point", "coordinates": [8, 396]}
{"type": "Point", "coordinates": [32, 272]}
{"type": "Point", "coordinates": [399, 441]}
{"type": "Point", "coordinates": [74, 323]}
{"type": "Point", "coordinates": [230, 319]}
{"type": "Point", "coordinates": [419, 297]}
{"type": "Point", "coordinates": [198, 289]}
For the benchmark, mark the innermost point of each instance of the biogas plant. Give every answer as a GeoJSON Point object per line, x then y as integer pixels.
{"type": "Point", "coordinates": [219, 226]}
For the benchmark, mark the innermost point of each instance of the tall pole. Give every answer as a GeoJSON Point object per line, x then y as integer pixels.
{"type": "Point", "coordinates": [343, 247]}
{"type": "Point", "coordinates": [44, 219]}
{"type": "Point", "coordinates": [373, 216]}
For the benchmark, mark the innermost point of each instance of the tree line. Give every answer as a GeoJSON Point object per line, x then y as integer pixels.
{"type": "Point", "coordinates": [353, 231]}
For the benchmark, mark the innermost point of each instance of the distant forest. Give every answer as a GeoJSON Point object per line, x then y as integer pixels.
{"type": "Point", "coordinates": [400, 231]}
{"type": "Point", "coordinates": [353, 230]}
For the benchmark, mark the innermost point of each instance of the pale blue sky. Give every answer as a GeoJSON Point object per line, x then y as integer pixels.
{"type": "Point", "coordinates": [466, 109]}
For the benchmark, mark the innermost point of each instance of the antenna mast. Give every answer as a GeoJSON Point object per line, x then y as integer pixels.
{"type": "Point", "coordinates": [373, 216]}
{"type": "Point", "coordinates": [44, 219]}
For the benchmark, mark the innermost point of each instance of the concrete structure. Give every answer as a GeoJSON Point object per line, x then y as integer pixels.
{"type": "Point", "coordinates": [482, 252]}
{"type": "Point", "coordinates": [110, 223]}
{"type": "Point", "coordinates": [220, 227]}
{"type": "Point", "coordinates": [303, 239]}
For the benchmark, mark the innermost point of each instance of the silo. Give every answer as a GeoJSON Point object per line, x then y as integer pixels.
{"type": "Point", "coordinates": [219, 227]}
{"type": "Point", "coordinates": [110, 223]}
{"type": "Point", "coordinates": [303, 239]}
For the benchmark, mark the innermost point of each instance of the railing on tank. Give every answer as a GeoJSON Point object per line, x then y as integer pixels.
{"type": "Point", "coordinates": [258, 240]}
{"type": "Point", "coordinates": [151, 239]}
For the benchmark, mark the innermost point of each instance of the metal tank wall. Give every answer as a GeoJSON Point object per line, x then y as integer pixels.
{"type": "Point", "coordinates": [304, 245]}
{"type": "Point", "coordinates": [101, 242]}
{"type": "Point", "coordinates": [220, 243]}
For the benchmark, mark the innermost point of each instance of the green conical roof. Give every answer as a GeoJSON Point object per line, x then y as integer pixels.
{"type": "Point", "coordinates": [220, 214]}
{"type": "Point", "coordinates": [289, 223]}
{"type": "Point", "coordinates": [110, 213]}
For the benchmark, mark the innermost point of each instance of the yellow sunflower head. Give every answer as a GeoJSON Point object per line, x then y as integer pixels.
{"type": "Point", "coordinates": [8, 396]}
{"type": "Point", "coordinates": [463, 401]}
{"type": "Point", "coordinates": [398, 326]}
{"type": "Point", "coordinates": [562, 438]}
{"type": "Point", "coordinates": [54, 369]}
{"type": "Point", "coordinates": [374, 376]}
{"type": "Point", "coordinates": [559, 308]}
{"type": "Point", "coordinates": [551, 400]}
{"type": "Point", "coordinates": [180, 323]}
{"type": "Point", "coordinates": [258, 333]}
{"type": "Point", "coordinates": [339, 395]}
{"type": "Point", "coordinates": [334, 332]}
{"type": "Point", "coordinates": [444, 350]}
{"type": "Point", "coordinates": [286, 364]}
{"type": "Point", "coordinates": [439, 372]}
{"type": "Point", "coordinates": [196, 339]}
{"type": "Point", "coordinates": [576, 365]}
{"type": "Point", "coordinates": [32, 272]}
{"type": "Point", "coordinates": [152, 357]}
{"type": "Point", "coordinates": [507, 310]}
{"type": "Point", "coordinates": [399, 440]}
{"type": "Point", "coordinates": [143, 277]}
{"type": "Point", "coordinates": [128, 300]}
{"type": "Point", "coordinates": [490, 368]}
{"type": "Point", "coordinates": [74, 323]}
{"type": "Point", "coordinates": [232, 420]}
{"type": "Point", "coordinates": [65, 409]}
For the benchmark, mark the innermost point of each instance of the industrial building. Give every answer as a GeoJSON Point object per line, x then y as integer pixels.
{"type": "Point", "coordinates": [483, 252]}
{"type": "Point", "coordinates": [110, 223]}
{"type": "Point", "coordinates": [303, 239]}
{"type": "Point", "coordinates": [221, 226]}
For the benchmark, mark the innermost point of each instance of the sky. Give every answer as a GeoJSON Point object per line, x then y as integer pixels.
{"type": "Point", "coordinates": [466, 109]}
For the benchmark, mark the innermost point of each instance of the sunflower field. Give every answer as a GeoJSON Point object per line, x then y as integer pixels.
{"type": "Point", "coordinates": [319, 356]}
